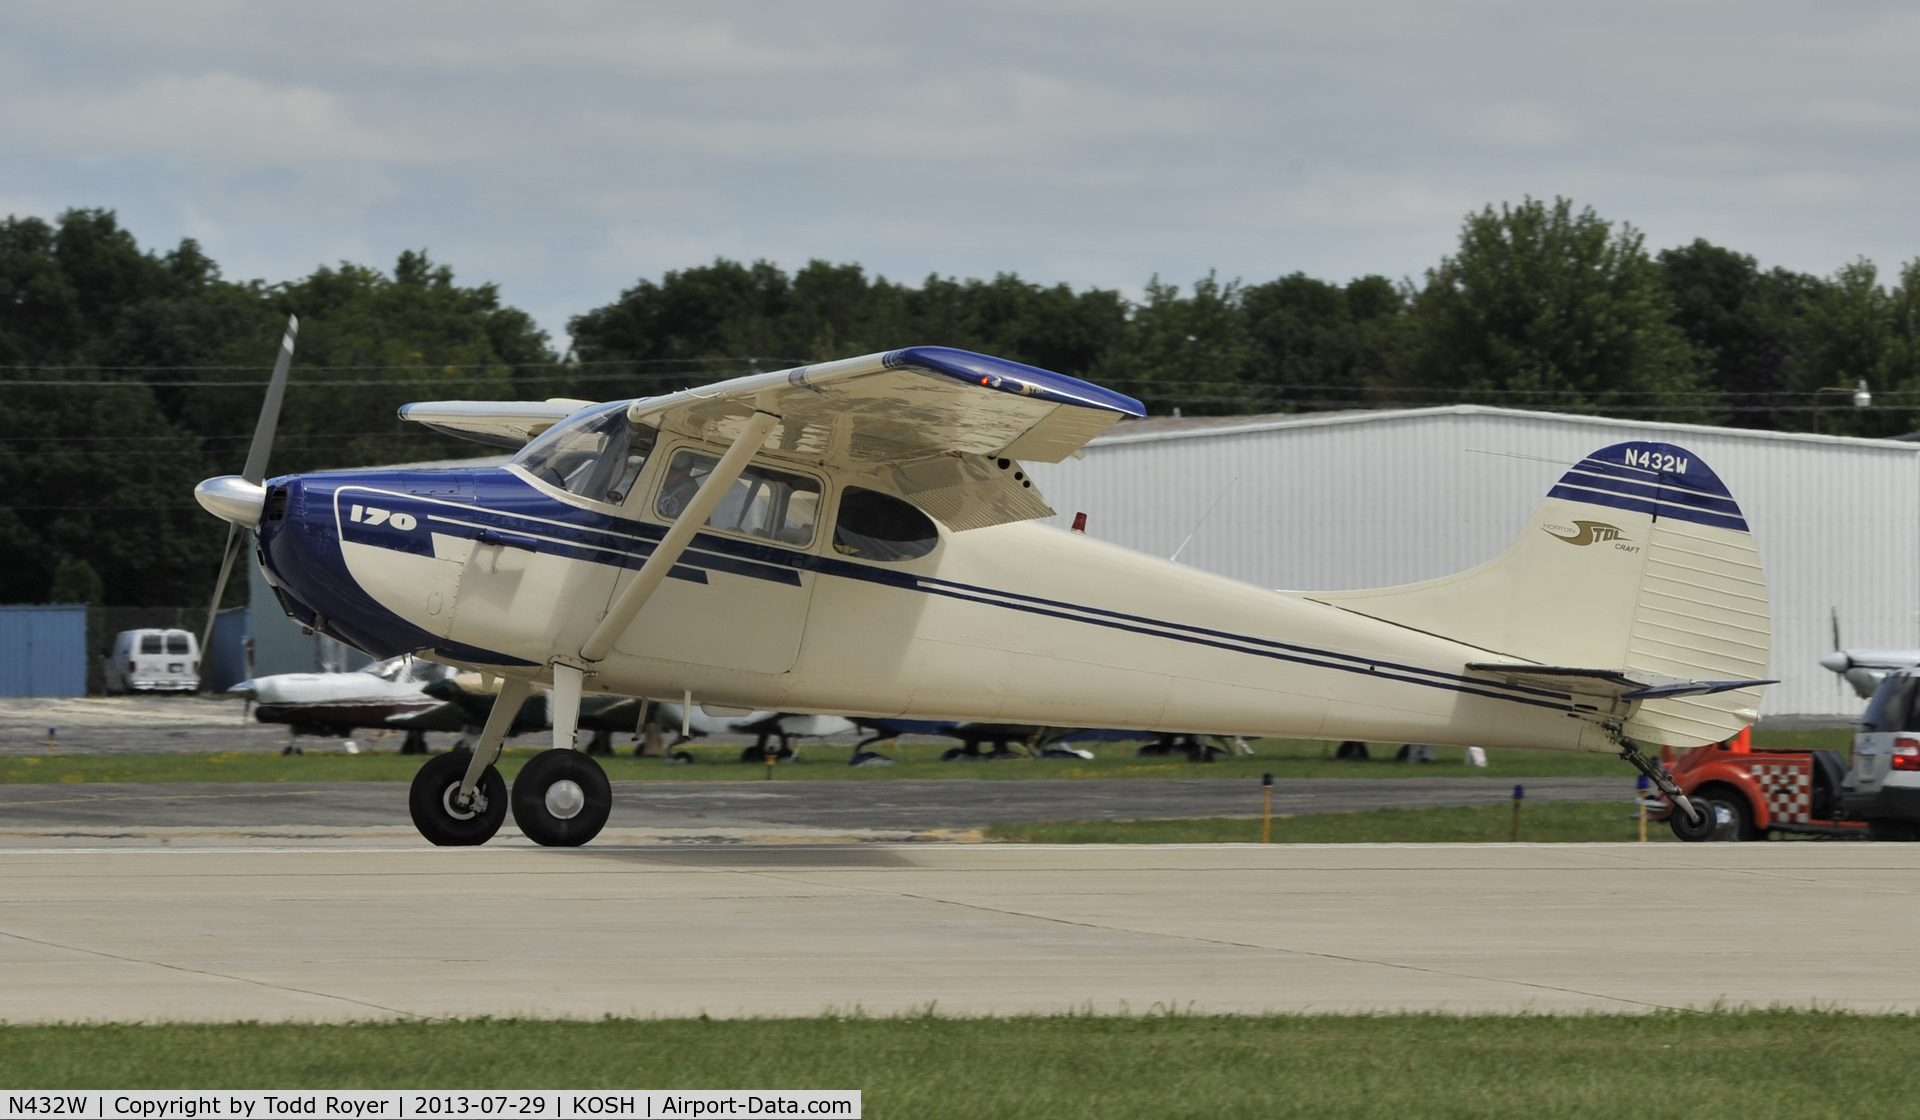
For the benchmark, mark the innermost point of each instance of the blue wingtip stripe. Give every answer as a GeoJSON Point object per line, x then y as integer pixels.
{"type": "Point", "coordinates": [1003, 376]}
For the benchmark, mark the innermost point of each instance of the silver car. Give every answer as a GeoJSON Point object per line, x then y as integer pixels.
{"type": "Point", "coordinates": [1883, 782]}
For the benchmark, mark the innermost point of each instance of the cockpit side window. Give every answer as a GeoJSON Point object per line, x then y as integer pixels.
{"type": "Point", "coordinates": [762, 502]}
{"type": "Point", "coordinates": [597, 456]}
{"type": "Point", "coordinates": [876, 526]}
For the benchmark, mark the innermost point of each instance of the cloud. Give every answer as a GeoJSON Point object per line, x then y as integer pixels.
{"type": "Point", "coordinates": [570, 147]}
{"type": "Point", "coordinates": [213, 116]}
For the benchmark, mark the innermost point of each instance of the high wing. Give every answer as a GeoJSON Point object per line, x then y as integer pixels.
{"type": "Point", "coordinates": [950, 425]}
{"type": "Point", "coordinates": [497, 423]}
{"type": "Point", "coordinates": [1612, 684]}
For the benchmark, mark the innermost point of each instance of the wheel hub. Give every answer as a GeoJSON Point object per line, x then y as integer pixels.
{"type": "Point", "coordinates": [463, 812]}
{"type": "Point", "coordinates": [565, 799]}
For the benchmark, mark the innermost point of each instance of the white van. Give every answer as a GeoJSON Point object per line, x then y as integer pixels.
{"type": "Point", "coordinates": [154, 661]}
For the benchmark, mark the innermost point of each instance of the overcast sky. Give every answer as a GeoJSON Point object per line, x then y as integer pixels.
{"type": "Point", "coordinates": [564, 150]}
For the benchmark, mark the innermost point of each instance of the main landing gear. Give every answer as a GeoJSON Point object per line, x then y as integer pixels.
{"type": "Point", "coordinates": [561, 798]}
{"type": "Point", "coordinates": [440, 812]}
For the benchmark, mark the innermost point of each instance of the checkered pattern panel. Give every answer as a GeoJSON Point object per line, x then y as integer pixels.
{"type": "Point", "coordinates": [1788, 790]}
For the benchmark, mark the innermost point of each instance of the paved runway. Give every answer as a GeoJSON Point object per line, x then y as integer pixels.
{"type": "Point", "coordinates": [221, 935]}
{"type": "Point", "coordinates": [668, 811]}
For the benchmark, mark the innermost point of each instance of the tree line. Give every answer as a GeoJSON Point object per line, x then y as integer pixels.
{"type": "Point", "coordinates": [128, 374]}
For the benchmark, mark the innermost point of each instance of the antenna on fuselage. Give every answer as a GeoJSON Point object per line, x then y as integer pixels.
{"type": "Point", "coordinates": [1202, 521]}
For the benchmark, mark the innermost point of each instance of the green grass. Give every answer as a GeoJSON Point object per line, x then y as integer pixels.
{"type": "Point", "coordinates": [326, 760]}
{"type": "Point", "coordinates": [1750, 1065]}
{"type": "Point", "coordinates": [1556, 822]}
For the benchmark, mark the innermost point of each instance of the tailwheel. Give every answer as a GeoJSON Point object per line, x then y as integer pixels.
{"type": "Point", "coordinates": [1697, 828]}
{"type": "Point", "coordinates": [561, 798]}
{"type": "Point", "coordinates": [434, 802]}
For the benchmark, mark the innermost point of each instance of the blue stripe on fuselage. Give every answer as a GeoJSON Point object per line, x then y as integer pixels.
{"type": "Point", "coordinates": [513, 506]}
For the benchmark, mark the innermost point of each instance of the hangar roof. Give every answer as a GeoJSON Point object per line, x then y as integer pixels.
{"type": "Point", "coordinates": [1155, 428]}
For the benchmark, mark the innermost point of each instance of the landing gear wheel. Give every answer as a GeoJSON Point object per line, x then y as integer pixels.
{"type": "Point", "coordinates": [561, 799]}
{"type": "Point", "coordinates": [432, 802]}
{"type": "Point", "coordinates": [1689, 829]}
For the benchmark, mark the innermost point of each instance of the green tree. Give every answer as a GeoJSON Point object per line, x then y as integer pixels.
{"type": "Point", "coordinates": [1546, 307]}
{"type": "Point", "coordinates": [1749, 326]}
{"type": "Point", "coordinates": [1320, 345]}
{"type": "Point", "coordinates": [1187, 352]}
{"type": "Point", "coordinates": [75, 581]}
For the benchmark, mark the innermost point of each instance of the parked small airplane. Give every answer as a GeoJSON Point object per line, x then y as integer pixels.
{"type": "Point", "coordinates": [857, 537]}
{"type": "Point", "coordinates": [382, 695]}
{"type": "Point", "coordinates": [1864, 669]}
{"type": "Point", "coordinates": [764, 726]}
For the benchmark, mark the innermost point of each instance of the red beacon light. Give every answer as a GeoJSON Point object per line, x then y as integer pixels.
{"type": "Point", "coordinates": [1079, 522]}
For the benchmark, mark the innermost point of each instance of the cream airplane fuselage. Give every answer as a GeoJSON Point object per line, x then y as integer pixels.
{"type": "Point", "coordinates": [496, 569]}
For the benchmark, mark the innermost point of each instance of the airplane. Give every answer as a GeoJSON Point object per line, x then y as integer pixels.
{"type": "Point", "coordinates": [696, 722]}
{"type": "Point", "coordinates": [1864, 669]}
{"type": "Point", "coordinates": [858, 537]}
{"type": "Point", "coordinates": [388, 694]}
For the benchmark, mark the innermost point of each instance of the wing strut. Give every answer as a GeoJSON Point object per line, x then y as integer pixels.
{"type": "Point", "coordinates": [674, 544]}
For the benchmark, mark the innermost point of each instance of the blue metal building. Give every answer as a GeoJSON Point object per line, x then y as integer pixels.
{"type": "Point", "coordinates": [43, 650]}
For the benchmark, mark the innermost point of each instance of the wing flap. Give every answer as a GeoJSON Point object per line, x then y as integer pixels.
{"type": "Point", "coordinates": [971, 492]}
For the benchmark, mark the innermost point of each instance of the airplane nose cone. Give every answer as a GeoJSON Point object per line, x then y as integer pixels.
{"type": "Point", "coordinates": [232, 498]}
{"type": "Point", "coordinates": [1837, 661]}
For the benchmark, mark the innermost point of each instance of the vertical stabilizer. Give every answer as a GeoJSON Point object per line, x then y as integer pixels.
{"type": "Point", "coordinates": [1639, 561]}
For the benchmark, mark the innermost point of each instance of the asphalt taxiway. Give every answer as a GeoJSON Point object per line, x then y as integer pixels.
{"type": "Point", "coordinates": [214, 934]}
{"type": "Point", "coordinates": [735, 811]}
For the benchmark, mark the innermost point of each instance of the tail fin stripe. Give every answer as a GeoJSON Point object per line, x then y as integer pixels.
{"type": "Point", "coordinates": [1662, 491]}
{"type": "Point", "coordinates": [1709, 486]}
{"type": "Point", "coordinates": [1654, 509]}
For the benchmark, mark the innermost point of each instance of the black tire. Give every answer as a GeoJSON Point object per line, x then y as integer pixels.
{"type": "Point", "coordinates": [1691, 830]}
{"type": "Point", "coordinates": [561, 798]}
{"type": "Point", "coordinates": [430, 802]}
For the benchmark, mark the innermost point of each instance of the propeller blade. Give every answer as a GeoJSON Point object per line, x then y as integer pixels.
{"type": "Point", "coordinates": [1835, 616]}
{"type": "Point", "coordinates": [255, 471]}
{"type": "Point", "coordinates": [236, 536]}
{"type": "Point", "coordinates": [256, 468]}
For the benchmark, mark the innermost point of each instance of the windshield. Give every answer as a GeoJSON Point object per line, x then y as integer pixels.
{"type": "Point", "coordinates": [596, 454]}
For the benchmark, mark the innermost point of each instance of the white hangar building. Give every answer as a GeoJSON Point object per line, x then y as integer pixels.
{"type": "Point", "coordinates": [1335, 501]}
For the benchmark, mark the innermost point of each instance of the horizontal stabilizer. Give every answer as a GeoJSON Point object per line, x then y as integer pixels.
{"type": "Point", "coordinates": [1612, 683]}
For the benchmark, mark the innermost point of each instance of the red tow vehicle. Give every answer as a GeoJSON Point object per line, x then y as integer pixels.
{"type": "Point", "coordinates": [1755, 791]}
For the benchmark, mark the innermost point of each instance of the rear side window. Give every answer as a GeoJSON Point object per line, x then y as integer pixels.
{"type": "Point", "coordinates": [149, 643]}
{"type": "Point", "coordinates": [876, 526]}
{"type": "Point", "coordinates": [1892, 707]}
{"type": "Point", "coordinates": [176, 643]}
